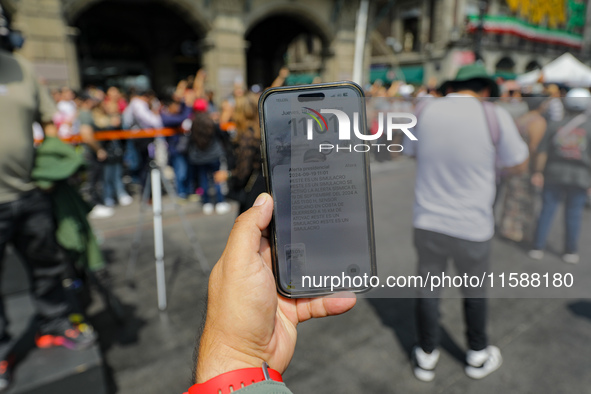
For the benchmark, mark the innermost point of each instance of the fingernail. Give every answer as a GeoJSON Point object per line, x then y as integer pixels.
{"type": "Point", "coordinates": [260, 200]}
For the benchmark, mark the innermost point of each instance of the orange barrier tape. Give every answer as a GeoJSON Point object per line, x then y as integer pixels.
{"type": "Point", "coordinates": [227, 126]}
{"type": "Point", "coordinates": [132, 134]}
{"type": "Point", "coordinates": [122, 135]}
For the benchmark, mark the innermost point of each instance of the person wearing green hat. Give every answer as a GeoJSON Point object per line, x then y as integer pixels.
{"type": "Point", "coordinates": [474, 78]}
{"type": "Point", "coordinates": [460, 138]}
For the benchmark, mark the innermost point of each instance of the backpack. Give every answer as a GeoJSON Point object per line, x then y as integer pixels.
{"type": "Point", "coordinates": [570, 141]}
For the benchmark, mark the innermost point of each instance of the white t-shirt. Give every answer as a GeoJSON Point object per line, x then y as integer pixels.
{"type": "Point", "coordinates": [455, 181]}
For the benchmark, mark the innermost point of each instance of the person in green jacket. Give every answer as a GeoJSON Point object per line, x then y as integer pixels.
{"type": "Point", "coordinates": [55, 163]}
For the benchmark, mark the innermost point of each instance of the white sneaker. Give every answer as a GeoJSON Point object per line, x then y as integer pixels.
{"type": "Point", "coordinates": [483, 362]}
{"type": "Point", "coordinates": [125, 200]}
{"type": "Point", "coordinates": [222, 208]}
{"type": "Point", "coordinates": [571, 258]}
{"type": "Point", "coordinates": [101, 212]}
{"type": "Point", "coordinates": [536, 254]}
{"type": "Point", "coordinates": [424, 363]}
{"type": "Point", "coordinates": [208, 208]}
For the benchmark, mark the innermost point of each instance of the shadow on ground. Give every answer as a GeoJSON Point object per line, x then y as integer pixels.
{"type": "Point", "coordinates": [398, 314]}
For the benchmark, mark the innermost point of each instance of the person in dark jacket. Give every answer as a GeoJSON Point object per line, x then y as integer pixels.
{"type": "Point", "coordinates": [174, 115]}
{"type": "Point", "coordinates": [26, 219]}
{"type": "Point", "coordinates": [205, 153]}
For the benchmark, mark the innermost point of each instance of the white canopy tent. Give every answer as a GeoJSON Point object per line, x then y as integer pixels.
{"type": "Point", "coordinates": [565, 69]}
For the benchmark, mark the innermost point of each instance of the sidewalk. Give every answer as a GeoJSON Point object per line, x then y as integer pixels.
{"type": "Point", "coordinates": [545, 342]}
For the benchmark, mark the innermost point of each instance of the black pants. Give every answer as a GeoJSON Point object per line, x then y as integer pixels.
{"type": "Point", "coordinates": [95, 178]}
{"type": "Point", "coordinates": [469, 257]}
{"type": "Point", "coordinates": [29, 226]}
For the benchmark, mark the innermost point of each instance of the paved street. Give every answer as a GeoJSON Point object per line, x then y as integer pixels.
{"type": "Point", "coordinates": [545, 342]}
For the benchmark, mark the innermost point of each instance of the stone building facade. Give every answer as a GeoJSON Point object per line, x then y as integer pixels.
{"type": "Point", "coordinates": [435, 37]}
{"type": "Point", "coordinates": [74, 42]}
{"type": "Point", "coordinates": [79, 42]}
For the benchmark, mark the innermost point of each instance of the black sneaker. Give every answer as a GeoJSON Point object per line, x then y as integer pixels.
{"type": "Point", "coordinates": [67, 334]}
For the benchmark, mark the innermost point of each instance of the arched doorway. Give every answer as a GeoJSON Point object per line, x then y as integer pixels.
{"type": "Point", "coordinates": [533, 65]}
{"type": "Point", "coordinates": [120, 40]}
{"type": "Point", "coordinates": [282, 38]}
{"type": "Point", "coordinates": [506, 65]}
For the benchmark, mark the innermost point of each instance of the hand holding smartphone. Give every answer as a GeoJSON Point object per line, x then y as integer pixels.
{"type": "Point", "coordinates": [316, 168]}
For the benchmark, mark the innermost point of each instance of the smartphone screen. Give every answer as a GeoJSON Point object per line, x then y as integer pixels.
{"type": "Point", "coordinates": [323, 226]}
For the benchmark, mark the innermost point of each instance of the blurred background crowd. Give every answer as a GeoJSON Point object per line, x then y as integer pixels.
{"type": "Point", "coordinates": [199, 165]}
{"type": "Point", "coordinates": [210, 142]}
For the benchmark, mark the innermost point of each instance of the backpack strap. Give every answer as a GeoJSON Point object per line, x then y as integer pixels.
{"type": "Point", "coordinates": [573, 124]}
{"type": "Point", "coordinates": [492, 122]}
{"type": "Point", "coordinates": [420, 106]}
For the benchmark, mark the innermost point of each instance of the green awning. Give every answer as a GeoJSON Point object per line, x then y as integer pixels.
{"type": "Point", "coordinates": [300, 79]}
{"type": "Point", "coordinates": [410, 74]}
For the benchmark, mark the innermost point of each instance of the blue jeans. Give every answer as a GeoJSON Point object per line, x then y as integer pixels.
{"type": "Point", "coordinates": [204, 173]}
{"type": "Point", "coordinates": [552, 195]}
{"type": "Point", "coordinates": [113, 187]}
{"type": "Point", "coordinates": [181, 173]}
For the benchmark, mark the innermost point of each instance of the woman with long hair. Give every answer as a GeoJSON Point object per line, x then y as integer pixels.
{"type": "Point", "coordinates": [245, 179]}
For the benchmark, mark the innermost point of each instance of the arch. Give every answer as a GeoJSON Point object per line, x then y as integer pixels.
{"type": "Point", "coordinates": [297, 11]}
{"type": "Point", "coordinates": [532, 65]}
{"type": "Point", "coordinates": [113, 44]}
{"type": "Point", "coordinates": [298, 34]}
{"type": "Point", "coordinates": [505, 64]}
{"type": "Point", "coordinates": [72, 9]}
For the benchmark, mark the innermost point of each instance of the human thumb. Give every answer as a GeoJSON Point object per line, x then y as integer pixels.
{"type": "Point", "coordinates": [246, 234]}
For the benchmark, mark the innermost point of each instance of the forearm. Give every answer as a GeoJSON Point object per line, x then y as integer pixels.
{"type": "Point", "coordinates": [540, 162]}
{"type": "Point", "coordinates": [175, 120]}
{"type": "Point", "coordinates": [87, 136]}
{"type": "Point", "coordinates": [199, 84]}
{"type": "Point", "coordinates": [279, 81]}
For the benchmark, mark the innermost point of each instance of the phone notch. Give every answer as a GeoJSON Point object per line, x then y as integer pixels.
{"type": "Point", "coordinates": [307, 97]}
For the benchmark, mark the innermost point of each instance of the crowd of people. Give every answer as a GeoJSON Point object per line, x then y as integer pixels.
{"type": "Point", "coordinates": [211, 144]}
{"type": "Point", "coordinates": [219, 144]}
{"type": "Point", "coordinates": [538, 112]}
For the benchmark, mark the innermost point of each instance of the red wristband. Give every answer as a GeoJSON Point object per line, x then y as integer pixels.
{"type": "Point", "coordinates": [235, 380]}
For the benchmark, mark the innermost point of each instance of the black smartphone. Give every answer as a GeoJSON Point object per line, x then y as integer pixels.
{"type": "Point", "coordinates": [316, 166]}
